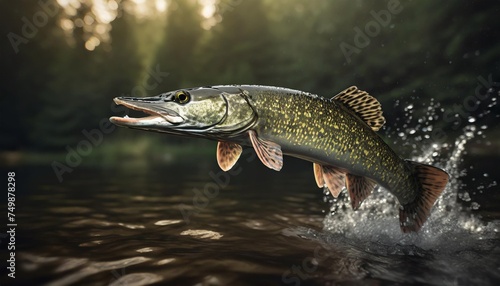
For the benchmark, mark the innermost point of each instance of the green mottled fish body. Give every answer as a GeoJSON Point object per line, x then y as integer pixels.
{"type": "Point", "coordinates": [337, 135]}
{"type": "Point", "coordinates": [326, 132]}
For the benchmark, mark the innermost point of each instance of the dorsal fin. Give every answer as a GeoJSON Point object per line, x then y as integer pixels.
{"type": "Point", "coordinates": [364, 105]}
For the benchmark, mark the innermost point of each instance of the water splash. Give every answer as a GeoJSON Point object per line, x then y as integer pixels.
{"type": "Point", "coordinates": [451, 225]}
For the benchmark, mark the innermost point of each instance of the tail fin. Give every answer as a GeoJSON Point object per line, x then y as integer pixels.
{"type": "Point", "coordinates": [431, 182]}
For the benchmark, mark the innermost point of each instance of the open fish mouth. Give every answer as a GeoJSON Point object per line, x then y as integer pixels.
{"type": "Point", "coordinates": [155, 116]}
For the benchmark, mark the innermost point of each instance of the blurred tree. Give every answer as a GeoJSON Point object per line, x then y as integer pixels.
{"type": "Point", "coordinates": [181, 37]}
{"type": "Point", "coordinates": [124, 66]}
{"type": "Point", "coordinates": [54, 87]}
{"type": "Point", "coordinates": [28, 53]}
{"type": "Point", "coordinates": [240, 49]}
{"type": "Point", "coordinates": [423, 51]}
{"type": "Point", "coordinates": [75, 90]}
{"type": "Point", "coordinates": [58, 87]}
{"type": "Point", "coordinates": [304, 33]}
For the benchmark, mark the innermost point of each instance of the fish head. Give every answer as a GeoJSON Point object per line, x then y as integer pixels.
{"type": "Point", "coordinates": [205, 111]}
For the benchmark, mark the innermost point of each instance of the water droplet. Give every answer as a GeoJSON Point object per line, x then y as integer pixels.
{"type": "Point", "coordinates": [401, 134]}
{"type": "Point", "coordinates": [475, 206]}
{"type": "Point", "coordinates": [471, 119]}
{"type": "Point", "coordinates": [465, 197]}
{"type": "Point", "coordinates": [485, 175]}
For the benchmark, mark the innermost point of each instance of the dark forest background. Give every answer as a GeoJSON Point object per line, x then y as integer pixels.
{"type": "Point", "coordinates": [61, 71]}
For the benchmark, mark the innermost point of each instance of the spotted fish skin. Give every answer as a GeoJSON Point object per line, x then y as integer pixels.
{"type": "Point", "coordinates": [325, 131]}
{"type": "Point", "coordinates": [337, 135]}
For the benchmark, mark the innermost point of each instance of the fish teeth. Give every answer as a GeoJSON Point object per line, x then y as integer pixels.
{"type": "Point", "coordinates": [126, 116]}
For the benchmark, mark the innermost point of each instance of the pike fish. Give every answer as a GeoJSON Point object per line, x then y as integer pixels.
{"type": "Point", "coordinates": [337, 135]}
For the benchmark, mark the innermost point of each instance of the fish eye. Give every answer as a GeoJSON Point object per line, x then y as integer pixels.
{"type": "Point", "coordinates": [182, 97]}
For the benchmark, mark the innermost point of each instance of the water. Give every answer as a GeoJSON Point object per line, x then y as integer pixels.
{"type": "Point", "coordinates": [107, 226]}
{"type": "Point", "coordinates": [185, 223]}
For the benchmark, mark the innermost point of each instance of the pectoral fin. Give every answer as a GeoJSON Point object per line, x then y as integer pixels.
{"type": "Point", "coordinates": [330, 176]}
{"type": "Point", "coordinates": [359, 188]}
{"type": "Point", "coordinates": [269, 153]}
{"type": "Point", "coordinates": [228, 154]}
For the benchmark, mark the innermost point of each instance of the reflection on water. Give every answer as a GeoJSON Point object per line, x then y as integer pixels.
{"type": "Point", "coordinates": [176, 225]}
{"type": "Point", "coordinates": [126, 226]}
{"type": "Point", "coordinates": [117, 227]}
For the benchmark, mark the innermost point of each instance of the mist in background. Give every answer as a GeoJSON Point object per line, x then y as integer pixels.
{"type": "Point", "coordinates": [64, 61]}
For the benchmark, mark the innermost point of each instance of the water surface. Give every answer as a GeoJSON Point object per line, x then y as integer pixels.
{"type": "Point", "coordinates": [141, 226]}
{"type": "Point", "coordinates": [188, 223]}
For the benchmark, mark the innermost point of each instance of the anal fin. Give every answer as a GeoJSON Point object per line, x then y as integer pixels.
{"type": "Point", "coordinates": [359, 188]}
{"type": "Point", "coordinates": [318, 175]}
{"type": "Point", "coordinates": [330, 176]}
{"type": "Point", "coordinates": [269, 153]}
{"type": "Point", "coordinates": [334, 180]}
{"type": "Point", "coordinates": [228, 154]}
{"type": "Point", "coordinates": [431, 183]}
